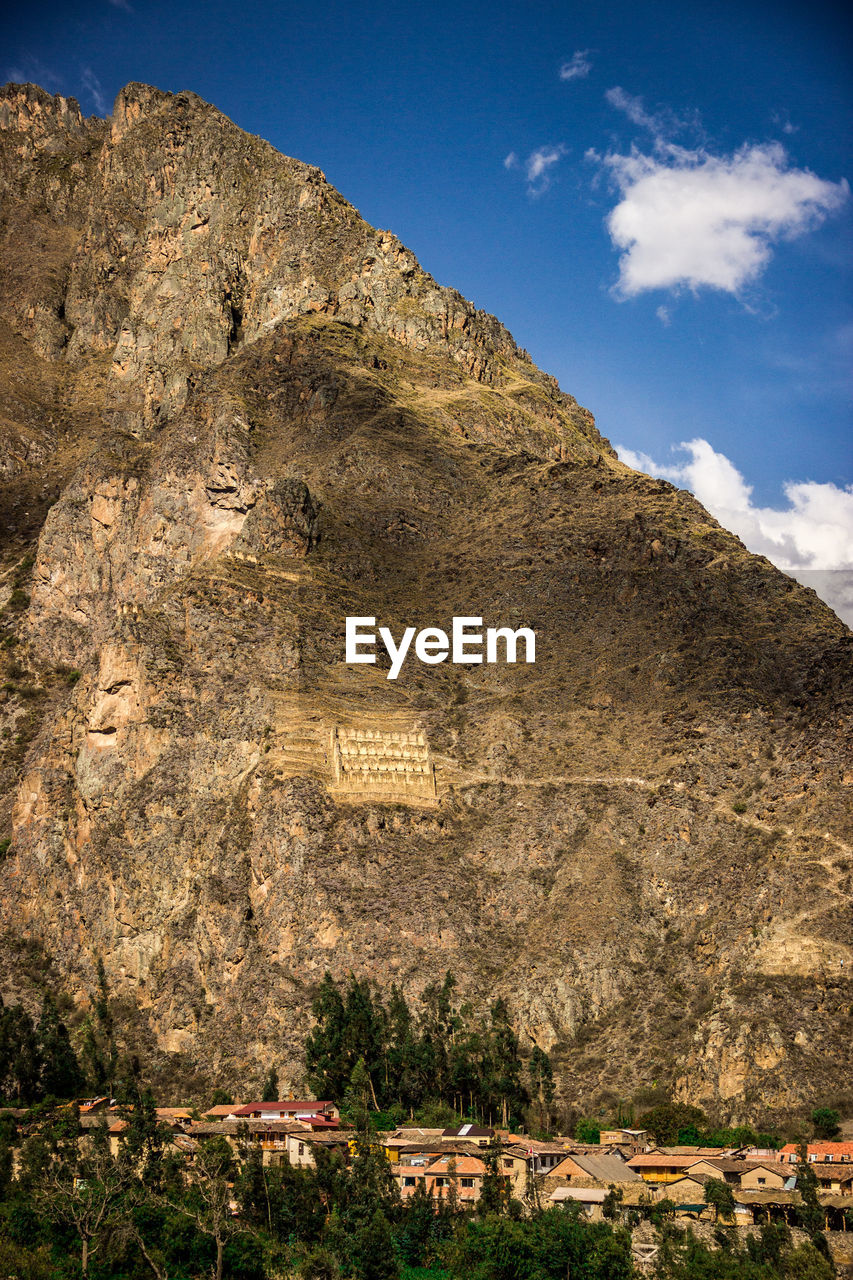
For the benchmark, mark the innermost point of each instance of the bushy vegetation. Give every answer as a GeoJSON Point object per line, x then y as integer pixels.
{"type": "Point", "coordinates": [418, 1061]}
{"type": "Point", "coordinates": [679, 1124]}
{"type": "Point", "coordinates": [770, 1254]}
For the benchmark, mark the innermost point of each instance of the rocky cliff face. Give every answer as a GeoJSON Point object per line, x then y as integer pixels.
{"type": "Point", "coordinates": [233, 414]}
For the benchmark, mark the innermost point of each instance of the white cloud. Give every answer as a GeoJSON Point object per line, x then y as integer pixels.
{"type": "Point", "coordinates": [121, 4]}
{"type": "Point", "coordinates": [692, 218]}
{"type": "Point", "coordinates": [540, 161]}
{"type": "Point", "coordinates": [93, 87]}
{"type": "Point", "coordinates": [537, 167]}
{"type": "Point", "coordinates": [811, 538]}
{"type": "Point", "coordinates": [664, 316]}
{"type": "Point", "coordinates": [577, 67]}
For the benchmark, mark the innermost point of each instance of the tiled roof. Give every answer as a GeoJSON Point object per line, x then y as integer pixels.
{"type": "Point", "coordinates": [604, 1168]}
{"type": "Point", "coordinates": [655, 1160]}
{"type": "Point", "coordinates": [834, 1149]}
{"type": "Point", "coordinates": [466, 1166]}
{"type": "Point", "coordinates": [308, 1105]}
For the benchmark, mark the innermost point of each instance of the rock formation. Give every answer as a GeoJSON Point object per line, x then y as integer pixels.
{"type": "Point", "coordinates": [234, 414]}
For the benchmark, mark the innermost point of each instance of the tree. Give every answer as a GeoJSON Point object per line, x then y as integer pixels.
{"type": "Point", "coordinates": [611, 1208]}
{"type": "Point", "coordinates": [82, 1190]}
{"type": "Point", "coordinates": [810, 1211]}
{"type": "Point", "coordinates": [326, 1062]}
{"type": "Point", "coordinates": [207, 1200]}
{"type": "Point", "coordinates": [669, 1119]}
{"type": "Point", "coordinates": [720, 1195]}
{"type": "Point", "coordinates": [372, 1255]}
{"type": "Point", "coordinates": [503, 1086]}
{"type": "Point", "coordinates": [541, 1075]}
{"type": "Point", "coordinates": [144, 1137]}
{"type": "Point", "coordinates": [417, 1230]}
{"type": "Point", "coordinates": [493, 1189]}
{"type": "Point", "coordinates": [20, 1059]}
{"type": "Point", "coordinates": [825, 1121]}
{"type": "Point", "coordinates": [99, 1053]}
{"type": "Point", "coordinates": [8, 1134]}
{"type": "Point", "coordinates": [61, 1076]}
{"type": "Point", "coordinates": [358, 1096]}
{"type": "Point", "coordinates": [587, 1130]}
{"type": "Point", "coordinates": [270, 1090]}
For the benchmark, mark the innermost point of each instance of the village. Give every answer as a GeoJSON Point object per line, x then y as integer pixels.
{"type": "Point", "coordinates": [624, 1172]}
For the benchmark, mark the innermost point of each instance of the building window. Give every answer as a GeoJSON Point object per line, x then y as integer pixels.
{"type": "Point", "coordinates": [408, 1182]}
{"type": "Point", "coordinates": [467, 1182]}
{"type": "Point", "coordinates": [761, 1181]}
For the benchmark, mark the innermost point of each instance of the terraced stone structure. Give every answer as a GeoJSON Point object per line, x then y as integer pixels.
{"type": "Point", "coordinates": [383, 763]}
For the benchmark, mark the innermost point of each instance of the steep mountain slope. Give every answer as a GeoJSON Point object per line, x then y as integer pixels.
{"type": "Point", "coordinates": [235, 414]}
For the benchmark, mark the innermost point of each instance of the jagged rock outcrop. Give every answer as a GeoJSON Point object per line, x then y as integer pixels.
{"type": "Point", "coordinates": [235, 414]}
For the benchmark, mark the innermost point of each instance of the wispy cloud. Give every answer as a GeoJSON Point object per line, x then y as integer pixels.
{"type": "Point", "coordinates": [32, 71]}
{"type": "Point", "coordinates": [538, 167]}
{"type": "Point", "coordinates": [92, 86]}
{"type": "Point", "coordinates": [662, 124]}
{"type": "Point", "coordinates": [783, 121]}
{"type": "Point", "coordinates": [812, 535]}
{"type": "Point", "coordinates": [578, 66]}
{"type": "Point", "coordinates": [690, 218]}
{"type": "Point", "coordinates": [121, 4]}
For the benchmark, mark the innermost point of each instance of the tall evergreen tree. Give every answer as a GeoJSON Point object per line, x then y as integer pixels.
{"type": "Point", "coordinates": [61, 1076]}
{"type": "Point", "coordinates": [507, 1094]}
{"type": "Point", "coordinates": [541, 1075]}
{"type": "Point", "coordinates": [326, 1062]}
{"type": "Point", "coordinates": [493, 1189]}
{"type": "Point", "coordinates": [270, 1091]}
{"type": "Point", "coordinates": [20, 1057]}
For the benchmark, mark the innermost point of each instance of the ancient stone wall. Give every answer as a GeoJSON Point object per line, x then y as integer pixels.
{"type": "Point", "coordinates": [380, 762]}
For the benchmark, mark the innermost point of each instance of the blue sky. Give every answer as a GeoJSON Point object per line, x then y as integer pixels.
{"type": "Point", "coordinates": [651, 196]}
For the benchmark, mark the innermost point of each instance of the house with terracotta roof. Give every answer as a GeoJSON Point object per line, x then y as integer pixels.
{"type": "Point", "coordinates": [660, 1167]}
{"type": "Point", "coordinates": [465, 1172]}
{"type": "Point", "coordinates": [819, 1153]}
{"type": "Point", "coordinates": [94, 1106]}
{"type": "Point", "coordinates": [317, 1114]}
{"type": "Point", "coordinates": [580, 1169]}
{"type": "Point", "coordinates": [740, 1173]}
{"type": "Point", "coordinates": [222, 1111]}
{"type": "Point", "coordinates": [834, 1176]}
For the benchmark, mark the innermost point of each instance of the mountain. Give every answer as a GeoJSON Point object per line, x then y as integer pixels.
{"type": "Point", "coordinates": [234, 415]}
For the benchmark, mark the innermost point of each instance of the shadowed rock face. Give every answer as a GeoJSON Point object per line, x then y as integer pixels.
{"type": "Point", "coordinates": [233, 414]}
